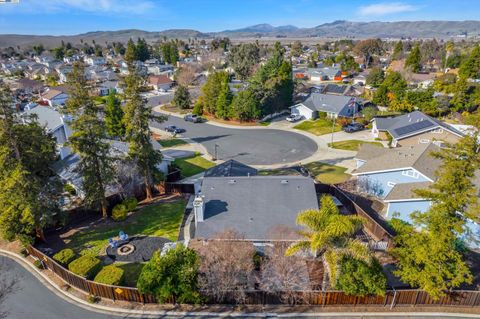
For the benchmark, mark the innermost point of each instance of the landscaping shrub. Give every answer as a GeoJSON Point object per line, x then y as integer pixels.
{"type": "Point", "coordinates": [69, 189]}
{"type": "Point", "coordinates": [85, 266]}
{"type": "Point", "coordinates": [24, 252]}
{"type": "Point", "coordinates": [130, 203]}
{"type": "Point", "coordinates": [110, 275]}
{"type": "Point", "coordinates": [360, 279]}
{"type": "Point", "coordinates": [322, 115]}
{"type": "Point", "coordinates": [37, 263]}
{"type": "Point", "coordinates": [119, 212]}
{"type": "Point", "coordinates": [64, 256]}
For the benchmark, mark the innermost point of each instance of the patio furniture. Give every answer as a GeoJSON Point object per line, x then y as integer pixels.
{"type": "Point", "coordinates": [112, 243]}
{"type": "Point", "coordinates": [122, 236]}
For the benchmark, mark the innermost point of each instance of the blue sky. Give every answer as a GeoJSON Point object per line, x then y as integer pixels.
{"type": "Point", "coordinates": [58, 17]}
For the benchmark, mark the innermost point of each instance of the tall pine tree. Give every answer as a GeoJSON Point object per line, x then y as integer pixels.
{"type": "Point", "coordinates": [136, 119]}
{"type": "Point", "coordinates": [88, 140]}
{"type": "Point", "coordinates": [114, 116]}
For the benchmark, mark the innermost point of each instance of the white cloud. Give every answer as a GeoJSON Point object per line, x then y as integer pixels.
{"type": "Point", "coordinates": [382, 9]}
{"type": "Point", "coordinates": [93, 6]}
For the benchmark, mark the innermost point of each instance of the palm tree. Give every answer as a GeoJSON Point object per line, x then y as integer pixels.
{"type": "Point", "coordinates": [329, 234]}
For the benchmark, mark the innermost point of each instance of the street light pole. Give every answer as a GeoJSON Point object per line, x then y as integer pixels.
{"type": "Point", "coordinates": [216, 146]}
{"type": "Point", "coordinates": [333, 130]}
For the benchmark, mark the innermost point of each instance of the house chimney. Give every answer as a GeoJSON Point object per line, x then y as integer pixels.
{"type": "Point", "coordinates": [198, 208]}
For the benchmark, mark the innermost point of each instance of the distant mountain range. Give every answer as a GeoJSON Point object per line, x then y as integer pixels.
{"type": "Point", "coordinates": [336, 29]}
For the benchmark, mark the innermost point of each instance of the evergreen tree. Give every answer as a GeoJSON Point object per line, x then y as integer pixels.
{"type": "Point", "coordinates": [413, 61]}
{"type": "Point", "coordinates": [223, 101]}
{"type": "Point", "coordinates": [470, 68]}
{"type": "Point", "coordinates": [181, 98]}
{"type": "Point", "coordinates": [398, 51]}
{"type": "Point", "coordinates": [243, 58]}
{"type": "Point", "coordinates": [114, 116]}
{"type": "Point", "coordinates": [244, 106]}
{"type": "Point", "coordinates": [28, 187]}
{"type": "Point", "coordinates": [88, 140]}
{"type": "Point", "coordinates": [131, 52]}
{"type": "Point", "coordinates": [211, 90]}
{"type": "Point", "coordinates": [141, 51]}
{"type": "Point", "coordinates": [427, 251]}
{"type": "Point", "coordinates": [137, 131]}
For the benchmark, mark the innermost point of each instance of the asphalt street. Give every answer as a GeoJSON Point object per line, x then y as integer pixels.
{"type": "Point", "coordinates": [249, 146]}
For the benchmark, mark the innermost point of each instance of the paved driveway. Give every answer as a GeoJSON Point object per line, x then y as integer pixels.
{"type": "Point", "coordinates": [250, 146]}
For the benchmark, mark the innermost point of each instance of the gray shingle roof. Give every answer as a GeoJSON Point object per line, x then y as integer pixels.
{"type": "Point", "coordinates": [411, 124]}
{"type": "Point", "coordinates": [253, 206]}
{"type": "Point", "coordinates": [230, 168]}
{"type": "Point", "coordinates": [385, 159]}
{"type": "Point", "coordinates": [405, 191]}
{"type": "Point", "coordinates": [338, 104]}
{"type": "Point", "coordinates": [46, 116]}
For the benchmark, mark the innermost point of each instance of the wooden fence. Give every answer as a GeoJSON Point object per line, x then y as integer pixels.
{"type": "Point", "coordinates": [373, 225]}
{"type": "Point", "coordinates": [392, 298]}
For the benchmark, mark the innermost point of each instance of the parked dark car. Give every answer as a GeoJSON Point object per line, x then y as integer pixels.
{"type": "Point", "coordinates": [193, 118]}
{"type": "Point", "coordinates": [175, 130]}
{"type": "Point", "coordinates": [353, 127]}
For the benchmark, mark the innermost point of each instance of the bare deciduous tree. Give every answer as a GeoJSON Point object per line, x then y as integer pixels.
{"type": "Point", "coordinates": [287, 275]}
{"type": "Point", "coordinates": [226, 267]}
{"type": "Point", "coordinates": [186, 75]}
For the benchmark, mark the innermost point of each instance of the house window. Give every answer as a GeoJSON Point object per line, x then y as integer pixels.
{"type": "Point", "coordinates": [411, 173]}
{"type": "Point", "coordinates": [391, 184]}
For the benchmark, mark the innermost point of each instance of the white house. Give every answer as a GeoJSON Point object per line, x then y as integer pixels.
{"type": "Point", "coordinates": [333, 105]}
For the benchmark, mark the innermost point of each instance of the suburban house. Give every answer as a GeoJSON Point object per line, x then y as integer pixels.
{"type": "Point", "coordinates": [394, 174]}
{"type": "Point", "coordinates": [254, 206]}
{"type": "Point", "coordinates": [29, 86]}
{"type": "Point", "coordinates": [332, 73]}
{"type": "Point", "coordinates": [160, 82]}
{"type": "Point", "coordinates": [95, 60]}
{"type": "Point", "coordinates": [379, 170]}
{"type": "Point", "coordinates": [414, 128]}
{"type": "Point", "coordinates": [54, 123]}
{"type": "Point", "coordinates": [333, 105]}
{"type": "Point", "coordinates": [54, 97]}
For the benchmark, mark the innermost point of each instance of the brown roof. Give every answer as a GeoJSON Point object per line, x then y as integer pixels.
{"type": "Point", "coordinates": [406, 191]}
{"type": "Point", "coordinates": [50, 94]}
{"type": "Point", "coordinates": [159, 79]}
{"type": "Point", "coordinates": [27, 83]}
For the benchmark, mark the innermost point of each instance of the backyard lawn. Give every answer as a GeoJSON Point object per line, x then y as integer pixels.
{"type": "Point", "coordinates": [279, 171]}
{"type": "Point", "coordinates": [131, 272]}
{"type": "Point", "coordinates": [326, 173]}
{"type": "Point", "coordinates": [171, 142]}
{"type": "Point", "coordinates": [192, 165]}
{"type": "Point", "coordinates": [352, 145]}
{"type": "Point", "coordinates": [162, 219]}
{"type": "Point", "coordinates": [318, 127]}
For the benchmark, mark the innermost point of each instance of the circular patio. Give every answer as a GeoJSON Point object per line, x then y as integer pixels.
{"type": "Point", "coordinates": [136, 249]}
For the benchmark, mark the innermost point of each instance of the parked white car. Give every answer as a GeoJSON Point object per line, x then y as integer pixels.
{"type": "Point", "coordinates": [294, 117]}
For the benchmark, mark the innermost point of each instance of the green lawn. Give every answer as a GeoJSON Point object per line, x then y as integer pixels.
{"type": "Point", "coordinates": [352, 145]}
{"type": "Point", "coordinates": [171, 142]}
{"type": "Point", "coordinates": [161, 219]}
{"type": "Point", "coordinates": [280, 171]}
{"type": "Point", "coordinates": [192, 165]}
{"type": "Point", "coordinates": [318, 126]}
{"type": "Point", "coordinates": [326, 173]}
{"type": "Point", "coordinates": [131, 272]}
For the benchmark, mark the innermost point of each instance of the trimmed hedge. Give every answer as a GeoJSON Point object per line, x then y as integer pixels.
{"type": "Point", "coordinates": [85, 266]}
{"type": "Point", "coordinates": [64, 256]}
{"type": "Point", "coordinates": [119, 212]}
{"type": "Point", "coordinates": [130, 203]}
{"type": "Point", "coordinates": [110, 275]}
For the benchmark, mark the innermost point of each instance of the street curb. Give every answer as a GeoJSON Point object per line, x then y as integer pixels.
{"type": "Point", "coordinates": [49, 284]}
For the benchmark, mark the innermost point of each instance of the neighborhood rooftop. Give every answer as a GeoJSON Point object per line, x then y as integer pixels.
{"type": "Point", "coordinates": [254, 206]}
{"type": "Point", "coordinates": [387, 159]}
{"type": "Point", "coordinates": [411, 124]}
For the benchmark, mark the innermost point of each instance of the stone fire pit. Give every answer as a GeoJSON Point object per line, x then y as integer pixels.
{"type": "Point", "coordinates": [137, 249]}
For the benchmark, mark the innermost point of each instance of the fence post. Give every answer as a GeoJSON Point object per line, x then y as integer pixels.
{"type": "Point", "coordinates": [113, 293]}
{"type": "Point", "coordinates": [416, 298]}
{"type": "Point", "coordinates": [394, 298]}
{"type": "Point", "coordinates": [476, 299]}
